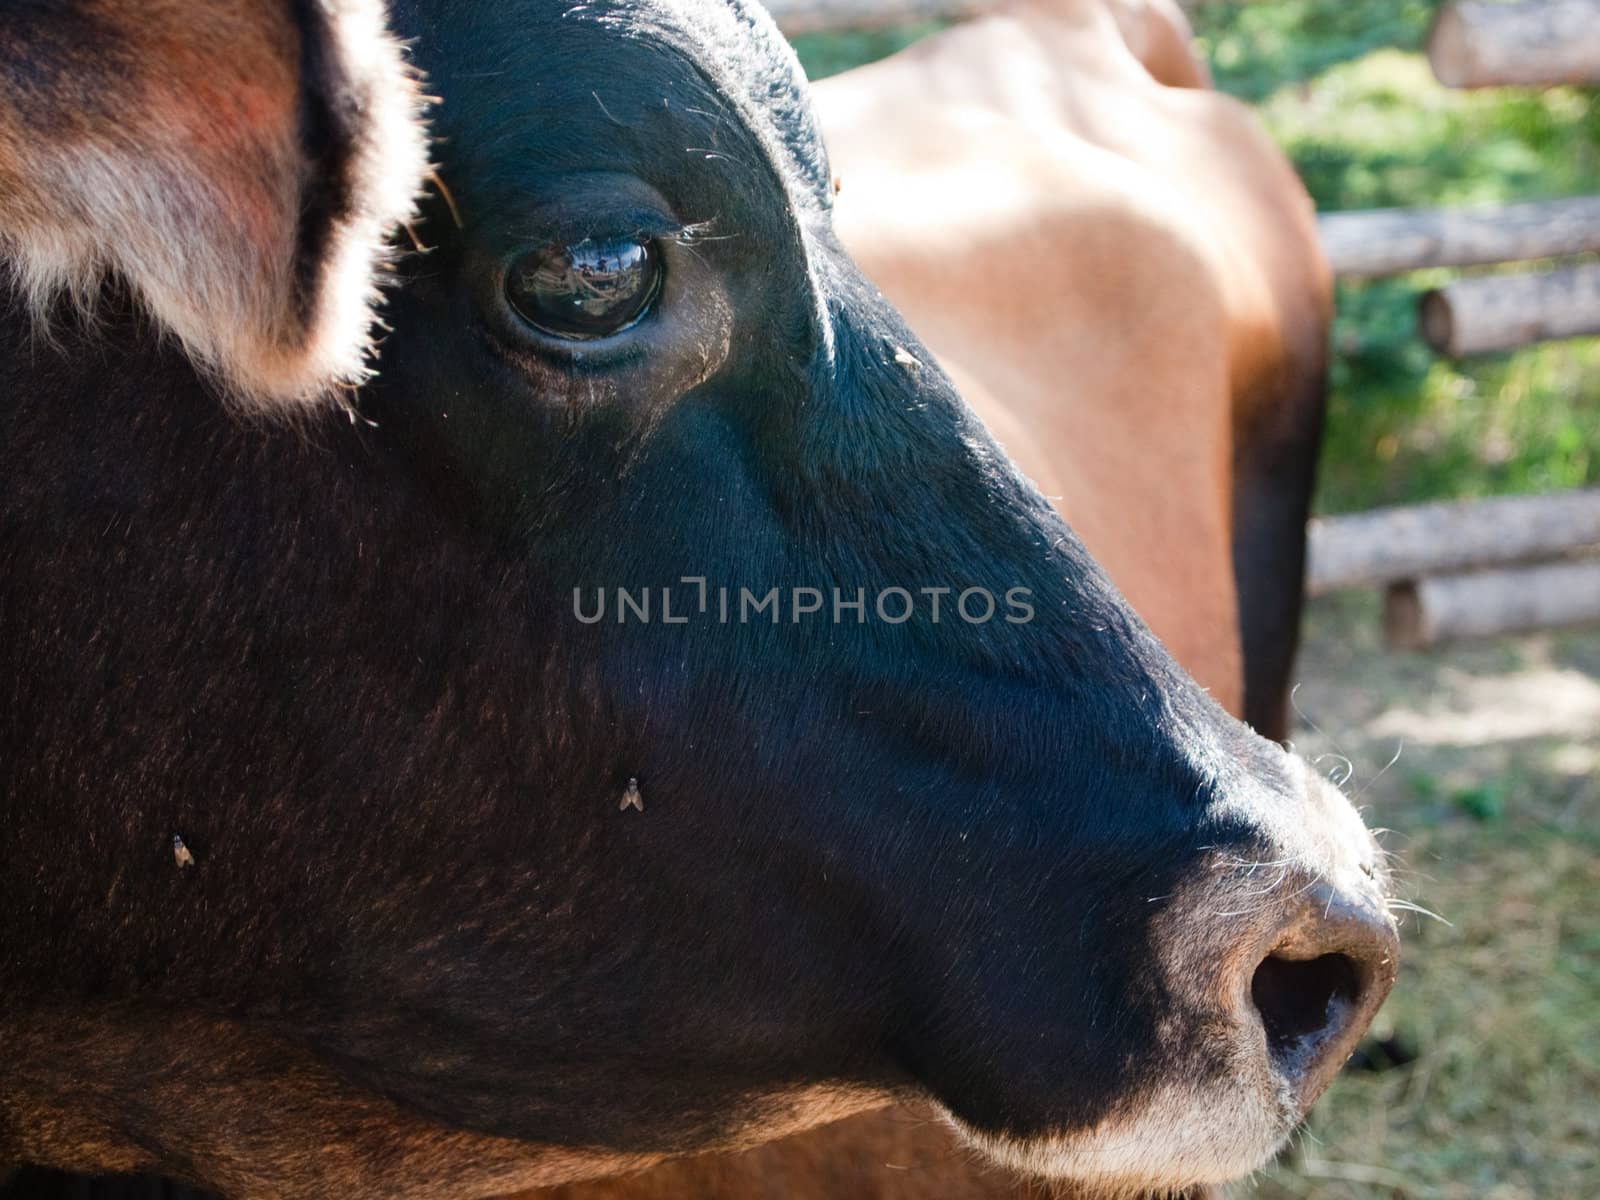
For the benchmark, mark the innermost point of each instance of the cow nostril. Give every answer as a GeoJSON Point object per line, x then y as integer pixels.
{"type": "Point", "coordinates": [1302, 1001]}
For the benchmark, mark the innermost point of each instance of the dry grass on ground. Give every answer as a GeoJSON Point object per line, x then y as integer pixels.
{"type": "Point", "coordinates": [1495, 807]}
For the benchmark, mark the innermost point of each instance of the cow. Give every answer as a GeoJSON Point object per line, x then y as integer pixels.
{"type": "Point", "coordinates": [1160, 376]}
{"type": "Point", "coordinates": [354, 846]}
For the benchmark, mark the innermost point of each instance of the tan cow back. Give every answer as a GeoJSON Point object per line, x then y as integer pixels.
{"type": "Point", "coordinates": [1114, 270]}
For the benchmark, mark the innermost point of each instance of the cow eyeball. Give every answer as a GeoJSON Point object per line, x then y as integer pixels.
{"type": "Point", "coordinates": [585, 290]}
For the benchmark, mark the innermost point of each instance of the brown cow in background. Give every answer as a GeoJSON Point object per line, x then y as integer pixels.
{"type": "Point", "coordinates": [1121, 272]}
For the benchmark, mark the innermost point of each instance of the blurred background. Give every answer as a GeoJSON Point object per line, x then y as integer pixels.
{"type": "Point", "coordinates": [1485, 1077]}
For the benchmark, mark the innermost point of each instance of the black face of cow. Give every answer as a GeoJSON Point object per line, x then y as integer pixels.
{"type": "Point", "coordinates": [848, 828]}
{"type": "Point", "coordinates": [1021, 864]}
{"type": "Point", "coordinates": [869, 852]}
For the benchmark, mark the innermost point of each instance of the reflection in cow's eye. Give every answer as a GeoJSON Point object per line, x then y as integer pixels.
{"type": "Point", "coordinates": [590, 289]}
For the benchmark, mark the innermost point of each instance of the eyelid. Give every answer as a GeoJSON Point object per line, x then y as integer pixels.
{"type": "Point", "coordinates": [571, 228]}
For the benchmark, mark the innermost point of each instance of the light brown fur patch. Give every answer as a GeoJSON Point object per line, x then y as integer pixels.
{"type": "Point", "coordinates": [160, 142]}
{"type": "Point", "coordinates": [1114, 264]}
{"type": "Point", "coordinates": [238, 1111]}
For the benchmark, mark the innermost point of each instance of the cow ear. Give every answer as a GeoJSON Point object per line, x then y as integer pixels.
{"type": "Point", "coordinates": [239, 164]}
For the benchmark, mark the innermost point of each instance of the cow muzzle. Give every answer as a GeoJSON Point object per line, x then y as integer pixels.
{"type": "Point", "coordinates": [1272, 962]}
{"type": "Point", "coordinates": [1331, 948]}
{"type": "Point", "coordinates": [1320, 985]}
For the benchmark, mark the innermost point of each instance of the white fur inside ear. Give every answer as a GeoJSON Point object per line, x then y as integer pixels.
{"type": "Point", "coordinates": [390, 164]}
{"type": "Point", "coordinates": [197, 206]}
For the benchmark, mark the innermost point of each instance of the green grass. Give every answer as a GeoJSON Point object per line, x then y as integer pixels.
{"type": "Point", "coordinates": [1502, 1100]}
{"type": "Point", "coordinates": [1256, 49]}
{"type": "Point", "coordinates": [1344, 90]}
{"type": "Point", "coordinates": [1497, 824]}
{"type": "Point", "coordinates": [1404, 425]}
{"type": "Point", "coordinates": [824, 54]}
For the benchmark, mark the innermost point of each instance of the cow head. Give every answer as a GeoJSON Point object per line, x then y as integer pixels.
{"type": "Point", "coordinates": [889, 794]}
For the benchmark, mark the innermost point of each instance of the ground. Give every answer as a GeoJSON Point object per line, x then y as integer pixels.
{"type": "Point", "coordinates": [1493, 809]}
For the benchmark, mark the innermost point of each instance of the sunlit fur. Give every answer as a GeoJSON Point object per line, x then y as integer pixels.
{"type": "Point", "coordinates": [239, 165]}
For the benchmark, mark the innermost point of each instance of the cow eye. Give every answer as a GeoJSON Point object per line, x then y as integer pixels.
{"type": "Point", "coordinates": [585, 290]}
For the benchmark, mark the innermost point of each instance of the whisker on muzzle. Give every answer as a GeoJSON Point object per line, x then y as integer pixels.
{"type": "Point", "coordinates": [1395, 903]}
{"type": "Point", "coordinates": [1399, 748]}
{"type": "Point", "coordinates": [1318, 878]}
{"type": "Point", "coordinates": [1349, 768]}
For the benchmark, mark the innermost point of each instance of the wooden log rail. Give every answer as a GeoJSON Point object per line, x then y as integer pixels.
{"type": "Point", "coordinates": [1426, 612]}
{"type": "Point", "coordinates": [1391, 544]}
{"type": "Point", "coordinates": [1390, 241]}
{"type": "Point", "coordinates": [1498, 312]}
{"type": "Point", "coordinates": [1536, 43]}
